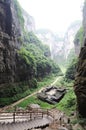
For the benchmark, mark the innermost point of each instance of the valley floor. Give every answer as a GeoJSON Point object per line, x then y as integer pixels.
{"type": "Point", "coordinates": [34, 93]}
{"type": "Point", "coordinates": [75, 126]}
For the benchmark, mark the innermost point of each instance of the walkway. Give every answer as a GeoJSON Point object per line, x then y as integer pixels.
{"type": "Point", "coordinates": [26, 125]}
{"type": "Point", "coordinates": [27, 120]}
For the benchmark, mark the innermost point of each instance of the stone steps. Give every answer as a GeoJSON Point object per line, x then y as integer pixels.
{"type": "Point", "coordinates": [26, 125]}
{"type": "Point", "coordinates": [52, 118]}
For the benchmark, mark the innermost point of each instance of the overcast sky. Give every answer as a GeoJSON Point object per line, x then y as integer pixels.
{"type": "Point", "coordinates": [55, 15]}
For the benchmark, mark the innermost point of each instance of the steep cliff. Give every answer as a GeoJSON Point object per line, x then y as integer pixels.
{"type": "Point", "coordinates": [69, 37]}
{"type": "Point", "coordinates": [80, 80]}
{"type": "Point", "coordinates": [60, 46]}
{"type": "Point", "coordinates": [23, 58]}
{"type": "Point", "coordinates": [29, 22]}
{"type": "Point", "coordinates": [12, 34]}
{"type": "Point", "coordinates": [51, 39]}
{"type": "Point", "coordinates": [10, 30]}
{"type": "Point", "coordinates": [78, 40]}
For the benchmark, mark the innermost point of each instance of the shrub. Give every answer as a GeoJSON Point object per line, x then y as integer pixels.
{"type": "Point", "coordinates": [71, 70]}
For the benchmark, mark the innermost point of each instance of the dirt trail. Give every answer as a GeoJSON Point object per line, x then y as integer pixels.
{"type": "Point", "coordinates": [19, 101]}
{"type": "Point", "coordinates": [55, 81]}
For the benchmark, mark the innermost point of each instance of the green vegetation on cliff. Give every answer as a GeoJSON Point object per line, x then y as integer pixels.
{"type": "Point", "coordinates": [37, 56]}
{"type": "Point", "coordinates": [71, 57]}
{"type": "Point", "coordinates": [19, 13]}
{"type": "Point", "coordinates": [34, 54]}
{"type": "Point", "coordinates": [17, 91]}
{"type": "Point", "coordinates": [79, 36]}
{"type": "Point", "coordinates": [32, 63]}
{"type": "Point", "coordinates": [71, 70]}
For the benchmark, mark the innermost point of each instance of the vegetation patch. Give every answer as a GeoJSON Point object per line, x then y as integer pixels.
{"type": "Point", "coordinates": [34, 100]}
{"type": "Point", "coordinates": [71, 70]}
{"type": "Point", "coordinates": [79, 36]}
{"type": "Point", "coordinates": [18, 91]}
{"type": "Point", "coordinates": [19, 13]}
{"type": "Point", "coordinates": [68, 103]}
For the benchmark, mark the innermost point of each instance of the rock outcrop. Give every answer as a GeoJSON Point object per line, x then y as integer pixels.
{"type": "Point", "coordinates": [80, 80]}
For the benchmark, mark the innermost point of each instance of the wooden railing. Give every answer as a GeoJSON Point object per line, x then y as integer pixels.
{"type": "Point", "coordinates": [24, 115]}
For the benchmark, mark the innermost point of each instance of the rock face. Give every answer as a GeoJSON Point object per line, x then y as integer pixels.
{"type": "Point", "coordinates": [69, 38]}
{"type": "Point", "coordinates": [29, 21]}
{"type": "Point", "coordinates": [8, 43]}
{"type": "Point", "coordinates": [8, 18]}
{"type": "Point", "coordinates": [11, 65]}
{"type": "Point", "coordinates": [80, 81]}
{"type": "Point", "coordinates": [77, 47]}
{"type": "Point", "coordinates": [84, 20]}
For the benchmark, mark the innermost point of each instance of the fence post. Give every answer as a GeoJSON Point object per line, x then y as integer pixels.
{"type": "Point", "coordinates": [42, 114]}
{"type": "Point", "coordinates": [37, 112]}
{"type": "Point", "coordinates": [14, 117]}
{"type": "Point", "coordinates": [34, 113]}
{"type": "Point", "coordinates": [30, 115]}
{"type": "Point", "coordinates": [47, 113]}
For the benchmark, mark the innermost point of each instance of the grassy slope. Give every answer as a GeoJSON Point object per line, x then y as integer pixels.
{"type": "Point", "coordinates": [43, 83]}
{"type": "Point", "coordinates": [33, 99]}
{"type": "Point", "coordinates": [67, 104]}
